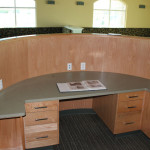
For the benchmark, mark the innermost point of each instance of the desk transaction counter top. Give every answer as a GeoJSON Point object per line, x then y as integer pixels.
{"type": "Point", "coordinates": [44, 88]}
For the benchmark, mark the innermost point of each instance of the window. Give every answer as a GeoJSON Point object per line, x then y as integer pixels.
{"type": "Point", "coordinates": [17, 13]}
{"type": "Point", "coordinates": [109, 13]}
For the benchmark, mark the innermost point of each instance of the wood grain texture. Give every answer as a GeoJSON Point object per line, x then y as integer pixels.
{"type": "Point", "coordinates": [41, 128]}
{"type": "Point", "coordinates": [13, 61]}
{"type": "Point", "coordinates": [145, 125]}
{"type": "Point", "coordinates": [134, 51]}
{"type": "Point", "coordinates": [127, 122]}
{"type": "Point", "coordinates": [40, 118]}
{"type": "Point", "coordinates": [56, 51]}
{"type": "Point", "coordinates": [131, 96]}
{"type": "Point", "coordinates": [41, 124]}
{"type": "Point", "coordinates": [38, 55]}
{"type": "Point", "coordinates": [75, 104]}
{"type": "Point", "coordinates": [106, 108]}
{"type": "Point", "coordinates": [38, 136]}
{"type": "Point", "coordinates": [130, 106]}
{"type": "Point", "coordinates": [11, 134]}
{"type": "Point", "coordinates": [41, 143]}
{"type": "Point", "coordinates": [42, 106]}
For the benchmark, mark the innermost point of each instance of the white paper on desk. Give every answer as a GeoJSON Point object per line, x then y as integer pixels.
{"type": "Point", "coordinates": [81, 86]}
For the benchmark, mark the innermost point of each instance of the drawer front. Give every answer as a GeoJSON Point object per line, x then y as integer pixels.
{"type": "Point", "coordinates": [40, 118]}
{"type": "Point", "coordinates": [41, 106]}
{"type": "Point", "coordinates": [39, 136]}
{"type": "Point", "coordinates": [129, 117]}
{"type": "Point", "coordinates": [41, 143]}
{"type": "Point", "coordinates": [130, 106]}
{"type": "Point", "coordinates": [41, 128]}
{"type": "Point", "coordinates": [127, 122]}
{"type": "Point", "coordinates": [131, 96]}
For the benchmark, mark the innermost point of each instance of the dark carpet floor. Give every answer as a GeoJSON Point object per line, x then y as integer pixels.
{"type": "Point", "coordinates": [88, 132]}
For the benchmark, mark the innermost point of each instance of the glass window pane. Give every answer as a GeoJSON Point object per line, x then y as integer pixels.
{"type": "Point", "coordinates": [6, 3]}
{"type": "Point", "coordinates": [101, 18]}
{"type": "Point", "coordinates": [25, 3]}
{"type": "Point", "coordinates": [25, 17]}
{"type": "Point", "coordinates": [102, 4]}
{"type": "Point", "coordinates": [7, 17]}
{"type": "Point", "coordinates": [117, 19]}
{"type": "Point", "coordinates": [117, 5]}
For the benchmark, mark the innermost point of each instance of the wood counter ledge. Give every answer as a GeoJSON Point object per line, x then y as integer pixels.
{"type": "Point", "coordinates": [44, 88]}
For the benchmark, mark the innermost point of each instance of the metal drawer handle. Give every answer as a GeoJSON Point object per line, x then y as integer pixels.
{"type": "Point", "coordinates": [129, 123]}
{"type": "Point", "coordinates": [133, 96]}
{"type": "Point", "coordinates": [132, 107]}
{"type": "Point", "coordinates": [43, 137]}
{"type": "Point", "coordinates": [40, 107]}
{"type": "Point", "coordinates": [41, 119]}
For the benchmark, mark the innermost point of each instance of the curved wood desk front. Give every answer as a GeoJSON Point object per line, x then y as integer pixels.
{"type": "Point", "coordinates": [124, 97]}
{"type": "Point", "coordinates": [32, 56]}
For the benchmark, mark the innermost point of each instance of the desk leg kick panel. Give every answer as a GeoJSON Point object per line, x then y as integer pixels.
{"type": "Point", "coordinates": [41, 124]}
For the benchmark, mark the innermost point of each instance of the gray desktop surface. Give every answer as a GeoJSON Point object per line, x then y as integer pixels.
{"type": "Point", "coordinates": [44, 88]}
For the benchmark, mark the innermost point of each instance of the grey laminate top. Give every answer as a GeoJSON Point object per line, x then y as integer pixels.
{"type": "Point", "coordinates": [44, 88]}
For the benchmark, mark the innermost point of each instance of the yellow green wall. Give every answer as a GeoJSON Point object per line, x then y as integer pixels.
{"type": "Point", "coordinates": [137, 17]}
{"type": "Point", "coordinates": [66, 12]}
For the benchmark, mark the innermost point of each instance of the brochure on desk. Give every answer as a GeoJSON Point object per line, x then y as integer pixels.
{"type": "Point", "coordinates": [81, 86]}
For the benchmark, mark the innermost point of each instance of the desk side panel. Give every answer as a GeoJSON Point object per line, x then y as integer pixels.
{"type": "Point", "coordinates": [11, 134]}
{"type": "Point", "coordinates": [106, 107]}
{"type": "Point", "coordinates": [145, 126]}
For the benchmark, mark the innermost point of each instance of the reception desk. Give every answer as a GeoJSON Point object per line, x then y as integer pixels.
{"type": "Point", "coordinates": [30, 67]}
{"type": "Point", "coordinates": [36, 102]}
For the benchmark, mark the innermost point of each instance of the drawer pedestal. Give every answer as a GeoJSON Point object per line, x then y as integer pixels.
{"type": "Point", "coordinates": [41, 124]}
{"type": "Point", "coordinates": [121, 113]}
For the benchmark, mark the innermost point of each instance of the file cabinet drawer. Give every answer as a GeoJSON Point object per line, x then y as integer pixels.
{"type": "Point", "coordinates": [39, 136]}
{"type": "Point", "coordinates": [41, 143]}
{"type": "Point", "coordinates": [129, 117]}
{"type": "Point", "coordinates": [40, 118]}
{"type": "Point", "coordinates": [131, 96]}
{"type": "Point", "coordinates": [41, 106]}
{"type": "Point", "coordinates": [130, 106]}
{"type": "Point", "coordinates": [41, 128]}
{"type": "Point", "coordinates": [127, 122]}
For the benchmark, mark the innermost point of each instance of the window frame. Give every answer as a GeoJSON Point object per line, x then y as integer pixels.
{"type": "Point", "coordinates": [109, 11]}
{"type": "Point", "coordinates": [15, 8]}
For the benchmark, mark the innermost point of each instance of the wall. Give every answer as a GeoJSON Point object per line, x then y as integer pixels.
{"type": "Point", "coordinates": [137, 17]}
{"type": "Point", "coordinates": [66, 12]}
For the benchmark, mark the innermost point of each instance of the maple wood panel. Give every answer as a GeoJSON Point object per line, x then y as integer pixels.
{"type": "Point", "coordinates": [128, 56]}
{"type": "Point", "coordinates": [106, 109]}
{"type": "Point", "coordinates": [11, 134]}
{"type": "Point", "coordinates": [75, 104]}
{"type": "Point", "coordinates": [40, 118]}
{"type": "Point", "coordinates": [130, 106]}
{"type": "Point", "coordinates": [146, 115]}
{"type": "Point", "coordinates": [22, 58]}
{"type": "Point", "coordinates": [51, 54]}
{"type": "Point", "coordinates": [131, 96]}
{"type": "Point", "coordinates": [13, 61]}
{"type": "Point", "coordinates": [42, 106]}
{"type": "Point", "coordinates": [127, 122]}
